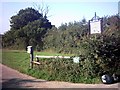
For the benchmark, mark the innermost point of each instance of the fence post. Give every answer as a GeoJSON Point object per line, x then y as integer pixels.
{"type": "Point", "coordinates": [30, 51]}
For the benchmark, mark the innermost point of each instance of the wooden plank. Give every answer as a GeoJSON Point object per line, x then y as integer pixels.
{"type": "Point", "coordinates": [36, 62]}
{"type": "Point", "coordinates": [65, 57]}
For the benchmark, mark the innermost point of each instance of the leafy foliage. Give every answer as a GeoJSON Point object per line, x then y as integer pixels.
{"type": "Point", "coordinates": [100, 51]}
{"type": "Point", "coordinates": [24, 17]}
{"type": "Point", "coordinates": [66, 38]}
{"type": "Point", "coordinates": [27, 28]}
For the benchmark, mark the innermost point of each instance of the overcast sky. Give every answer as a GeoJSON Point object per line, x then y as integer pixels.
{"type": "Point", "coordinates": [62, 11]}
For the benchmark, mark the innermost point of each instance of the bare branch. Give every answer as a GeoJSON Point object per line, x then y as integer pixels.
{"type": "Point", "coordinates": [42, 8]}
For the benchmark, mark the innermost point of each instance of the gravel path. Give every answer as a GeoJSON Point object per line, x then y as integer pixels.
{"type": "Point", "coordinates": [13, 79]}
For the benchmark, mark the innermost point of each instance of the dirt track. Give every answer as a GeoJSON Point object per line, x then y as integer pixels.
{"type": "Point", "coordinates": [14, 79]}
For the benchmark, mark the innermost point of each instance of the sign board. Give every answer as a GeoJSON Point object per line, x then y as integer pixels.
{"type": "Point", "coordinates": [95, 26]}
{"type": "Point", "coordinates": [76, 59]}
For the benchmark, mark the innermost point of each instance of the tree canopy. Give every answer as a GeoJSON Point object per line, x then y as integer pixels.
{"type": "Point", "coordinates": [24, 17]}
{"type": "Point", "coordinates": [27, 28]}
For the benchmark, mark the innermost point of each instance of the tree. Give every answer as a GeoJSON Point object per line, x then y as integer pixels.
{"type": "Point", "coordinates": [111, 25]}
{"type": "Point", "coordinates": [24, 17]}
{"type": "Point", "coordinates": [28, 25]}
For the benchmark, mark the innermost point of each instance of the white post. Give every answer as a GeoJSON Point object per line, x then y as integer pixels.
{"type": "Point", "coordinates": [30, 51]}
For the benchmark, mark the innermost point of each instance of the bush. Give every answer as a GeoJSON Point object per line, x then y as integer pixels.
{"type": "Point", "coordinates": [66, 70]}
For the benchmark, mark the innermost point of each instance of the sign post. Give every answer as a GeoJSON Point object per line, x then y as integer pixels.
{"type": "Point", "coordinates": [95, 25]}
{"type": "Point", "coordinates": [30, 51]}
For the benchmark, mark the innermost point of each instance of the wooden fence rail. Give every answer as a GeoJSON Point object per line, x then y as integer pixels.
{"type": "Point", "coordinates": [62, 57]}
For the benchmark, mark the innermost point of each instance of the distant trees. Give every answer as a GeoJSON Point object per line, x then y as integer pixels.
{"type": "Point", "coordinates": [66, 38]}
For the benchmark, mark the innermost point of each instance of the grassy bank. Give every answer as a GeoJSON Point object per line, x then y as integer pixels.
{"type": "Point", "coordinates": [18, 60]}
{"type": "Point", "coordinates": [60, 70]}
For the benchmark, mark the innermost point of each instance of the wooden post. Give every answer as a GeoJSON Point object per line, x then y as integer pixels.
{"type": "Point", "coordinates": [30, 51]}
{"type": "Point", "coordinates": [31, 59]}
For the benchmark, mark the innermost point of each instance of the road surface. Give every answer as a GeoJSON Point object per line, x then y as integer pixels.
{"type": "Point", "coordinates": [11, 78]}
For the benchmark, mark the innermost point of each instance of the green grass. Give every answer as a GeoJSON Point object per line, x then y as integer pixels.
{"type": "Point", "coordinates": [19, 60]}
{"type": "Point", "coordinates": [51, 54]}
